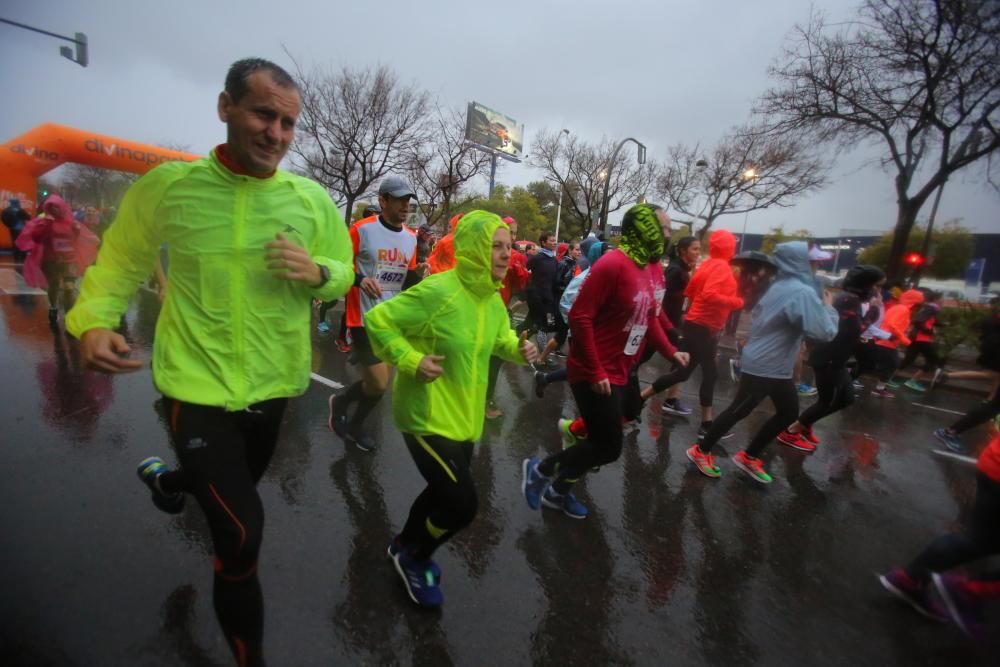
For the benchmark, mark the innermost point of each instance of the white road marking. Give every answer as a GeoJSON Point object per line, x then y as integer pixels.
{"type": "Point", "coordinates": [957, 457]}
{"type": "Point", "coordinates": [333, 384]}
{"type": "Point", "coordinates": [934, 407]}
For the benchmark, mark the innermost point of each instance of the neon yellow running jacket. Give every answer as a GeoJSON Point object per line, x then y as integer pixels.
{"type": "Point", "coordinates": [229, 334]}
{"type": "Point", "coordinates": [457, 314]}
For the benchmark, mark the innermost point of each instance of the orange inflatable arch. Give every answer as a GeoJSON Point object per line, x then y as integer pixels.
{"type": "Point", "coordinates": [23, 159]}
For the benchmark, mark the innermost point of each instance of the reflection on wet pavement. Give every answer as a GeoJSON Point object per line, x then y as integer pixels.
{"type": "Point", "coordinates": [670, 568]}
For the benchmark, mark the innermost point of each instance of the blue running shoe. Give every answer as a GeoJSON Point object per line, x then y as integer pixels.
{"type": "Point", "coordinates": [950, 440]}
{"type": "Point", "coordinates": [396, 545]}
{"type": "Point", "coordinates": [323, 328]}
{"type": "Point", "coordinates": [418, 579]}
{"type": "Point", "coordinates": [149, 472]}
{"type": "Point", "coordinates": [566, 502]}
{"type": "Point", "coordinates": [533, 483]}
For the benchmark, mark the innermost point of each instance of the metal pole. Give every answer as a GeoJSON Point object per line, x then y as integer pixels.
{"type": "Point", "coordinates": [559, 212]}
{"type": "Point", "coordinates": [603, 222]}
{"type": "Point", "coordinates": [493, 172]}
{"type": "Point", "coordinates": [744, 234]}
{"type": "Point", "coordinates": [562, 186]}
{"type": "Point", "coordinates": [44, 32]}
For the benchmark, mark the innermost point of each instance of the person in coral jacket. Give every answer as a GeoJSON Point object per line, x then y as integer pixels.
{"type": "Point", "coordinates": [712, 294]}
{"type": "Point", "coordinates": [442, 257]}
{"type": "Point", "coordinates": [896, 323]}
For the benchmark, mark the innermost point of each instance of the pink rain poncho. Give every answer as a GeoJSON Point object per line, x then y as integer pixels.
{"type": "Point", "coordinates": [55, 237]}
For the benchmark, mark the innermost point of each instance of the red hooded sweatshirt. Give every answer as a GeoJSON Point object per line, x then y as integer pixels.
{"type": "Point", "coordinates": [897, 319]}
{"type": "Point", "coordinates": [712, 290]}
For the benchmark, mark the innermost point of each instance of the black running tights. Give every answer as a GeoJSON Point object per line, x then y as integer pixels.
{"type": "Point", "coordinates": [222, 457]}
{"type": "Point", "coordinates": [701, 343]}
{"type": "Point", "coordinates": [448, 503]}
{"type": "Point", "coordinates": [751, 391]}
{"type": "Point", "coordinates": [836, 392]}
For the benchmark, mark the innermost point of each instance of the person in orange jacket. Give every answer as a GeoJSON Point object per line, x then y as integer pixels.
{"type": "Point", "coordinates": [442, 257]}
{"type": "Point", "coordinates": [712, 295]}
{"type": "Point", "coordinates": [895, 323]}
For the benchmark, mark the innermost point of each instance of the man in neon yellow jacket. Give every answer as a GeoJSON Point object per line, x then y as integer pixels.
{"type": "Point", "coordinates": [441, 334]}
{"type": "Point", "coordinates": [249, 248]}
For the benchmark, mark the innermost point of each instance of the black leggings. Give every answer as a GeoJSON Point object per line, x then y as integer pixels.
{"type": "Point", "coordinates": [448, 503]}
{"type": "Point", "coordinates": [752, 390]}
{"type": "Point", "coordinates": [882, 361]}
{"type": "Point", "coordinates": [983, 412]}
{"type": "Point", "coordinates": [836, 392]}
{"type": "Point", "coordinates": [540, 311]}
{"type": "Point", "coordinates": [924, 348]}
{"type": "Point", "coordinates": [980, 540]}
{"type": "Point", "coordinates": [603, 417]}
{"type": "Point", "coordinates": [701, 343]}
{"type": "Point", "coordinates": [324, 307]}
{"type": "Point", "coordinates": [222, 457]}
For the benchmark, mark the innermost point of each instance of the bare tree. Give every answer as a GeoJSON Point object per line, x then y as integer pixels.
{"type": "Point", "coordinates": [357, 126]}
{"type": "Point", "coordinates": [579, 168]}
{"type": "Point", "coordinates": [441, 166]}
{"type": "Point", "coordinates": [748, 170]}
{"type": "Point", "coordinates": [919, 78]}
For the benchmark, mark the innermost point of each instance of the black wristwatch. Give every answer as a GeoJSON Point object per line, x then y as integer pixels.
{"type": "Point", "coordinates": [324, 276]}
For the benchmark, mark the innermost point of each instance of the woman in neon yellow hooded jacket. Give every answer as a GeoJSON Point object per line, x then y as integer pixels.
{"type": "Point", "coordinates": [457, 314]}
{"type": "Point", "coordinates": [441, 334]}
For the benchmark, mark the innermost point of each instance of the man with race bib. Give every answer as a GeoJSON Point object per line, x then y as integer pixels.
{"type": "Point", "coordinates": [385, 261]}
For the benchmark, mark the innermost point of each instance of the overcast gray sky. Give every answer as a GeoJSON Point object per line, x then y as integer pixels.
{"type": "Point", "coordinates": [662, 71]}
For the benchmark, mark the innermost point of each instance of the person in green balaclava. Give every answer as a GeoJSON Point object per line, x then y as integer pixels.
{"type": "Point", "coordinates": [617, 309]}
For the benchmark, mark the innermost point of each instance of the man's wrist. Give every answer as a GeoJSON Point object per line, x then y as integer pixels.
{"type": "Point", "coordinates": [324, 276]}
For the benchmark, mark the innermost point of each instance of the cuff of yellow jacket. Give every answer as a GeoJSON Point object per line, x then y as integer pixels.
{"type": "Point", "coordinates": [79, 323]}
{"type": "Point", "coordinates": [410, 362]}
{"type": "Point", "coordinates": [341, 279]}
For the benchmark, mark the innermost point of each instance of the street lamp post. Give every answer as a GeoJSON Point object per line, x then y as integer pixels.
{"type": "Point", "coordinates": [562, 185]}
{"type": "Point", "coordinates": [607, 181]}
{"type": "Point", "coordinates": [750, 174]}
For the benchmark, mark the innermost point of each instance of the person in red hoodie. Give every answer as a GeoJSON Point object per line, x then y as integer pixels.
{"type": "Point", "coordinates": [514, 282]}
{"type": "Point", "coordinates": [958, 598]}
{"type": "Point", "coordinates": [896, 323]}
{"type": "Point", "coordinates": [712, 296]}
{"type": "Point", "coordinates": [618, 308]}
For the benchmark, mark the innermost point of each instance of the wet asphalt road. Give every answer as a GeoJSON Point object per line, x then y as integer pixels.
{"type": "Point", "coordinates": [670, 568]}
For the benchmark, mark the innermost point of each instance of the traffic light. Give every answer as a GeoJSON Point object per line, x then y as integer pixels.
{"type": "Point", "coordinates": [913, 259]}
{"type": "Point", "coordinates": [80, 57]}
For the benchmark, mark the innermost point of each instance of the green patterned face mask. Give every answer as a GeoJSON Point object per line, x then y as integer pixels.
{"type": "Point", "coordinates": [642, 235]}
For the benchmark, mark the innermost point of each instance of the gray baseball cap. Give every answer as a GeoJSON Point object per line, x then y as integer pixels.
{"type": "Point", "coordinates": [396, 186]}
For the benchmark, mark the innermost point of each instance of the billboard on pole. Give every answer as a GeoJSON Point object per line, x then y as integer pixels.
{"type": "Point", "coordinates": [495, 131]}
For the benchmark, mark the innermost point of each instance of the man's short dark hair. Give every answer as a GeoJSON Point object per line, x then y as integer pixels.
{"type": "Point", "coordinates": [238, 77]}
{"type": "Point", "coordinates": [545, 237]}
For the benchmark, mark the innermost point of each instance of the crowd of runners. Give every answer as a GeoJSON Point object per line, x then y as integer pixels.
{"type": "Point", "coordinates": [252, 248]}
